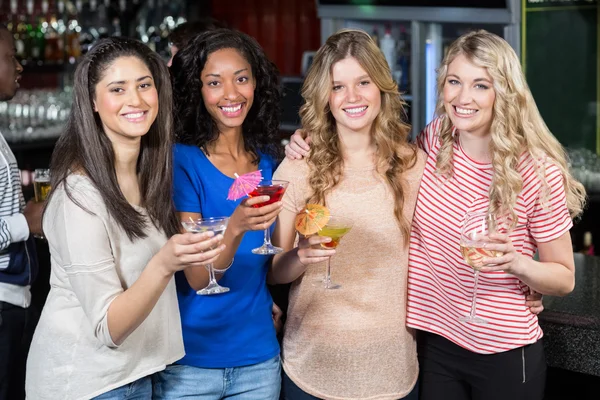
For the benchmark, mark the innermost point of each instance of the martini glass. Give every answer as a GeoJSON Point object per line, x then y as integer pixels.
{"type": "Point", "coordinates": [218, 226]}
{"type": "Point", "coordinates": [335, 229]}
{"type": "Point", "coordinates": [474, 235]}
{"type": "Point", "coordinates": [275, 190]}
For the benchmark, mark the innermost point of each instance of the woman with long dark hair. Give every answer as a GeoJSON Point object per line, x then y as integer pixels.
{"type": "Point", "coordinates": [226, 105]}
{"type": "Point", "coordinates": [111, 318]}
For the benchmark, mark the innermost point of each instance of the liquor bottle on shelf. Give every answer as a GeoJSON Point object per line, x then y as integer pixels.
{"type": "Point", "coordinates": [403, 60]}
{"type": "Point", "coordinates": [388, 48]}
{"type": "Point", "coordinates": [38, 42]}
{"type": "Point", "coordinates": [72, 31]}
{"type": "Point", "coordinates": [20, 35]}
{"type": "Point", "coordinates": [54, 42]}
{"type": "Point", "coordinates": [375, 35]}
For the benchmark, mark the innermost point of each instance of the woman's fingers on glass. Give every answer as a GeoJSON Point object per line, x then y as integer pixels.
{"type": "Point", "coordinates": [252, 201]}
{"type": "Point", "coordinates": [269, 222]}
{"type": "Point", "coordinates": [270, 208]}
{"type": "Point", "coordinates": [204, 257]}
{"type": "Point", "coordinates": [200, 246]}
{"type": "Point", "coordinates": [496, 248]}
{"type": "Point", "coordinates": [191, 238]}
{"type": "Point", "coordinates": [313, 256]}
{"type": "Point", "coordinates": [498, 237]}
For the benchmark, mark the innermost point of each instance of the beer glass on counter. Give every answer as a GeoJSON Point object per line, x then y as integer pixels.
{"type": "Point", "coordinates": [41, 188]}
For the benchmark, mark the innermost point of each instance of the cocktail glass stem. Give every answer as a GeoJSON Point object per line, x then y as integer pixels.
{"type": "Point", "coordinates": [474, 299]}
{"type": "Point", "coordinates": [213, 287]}
{"type": "Point", "coordinates": [267, 241]}
{"type": "Point", "coordinates": [472, 315]}
{"type": "Point", "coordinates": [267, 247]}
{"type": "Point", "coordinates": [328, 283]}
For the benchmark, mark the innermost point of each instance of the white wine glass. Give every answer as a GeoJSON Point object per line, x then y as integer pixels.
{"type": "Point", "coordinates": [475, 234]}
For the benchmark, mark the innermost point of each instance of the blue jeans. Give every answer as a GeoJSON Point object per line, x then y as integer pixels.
{"type": "Point", "coordinates": [260, 381]}
{"type": "Point", "coordinates": [136, 390]}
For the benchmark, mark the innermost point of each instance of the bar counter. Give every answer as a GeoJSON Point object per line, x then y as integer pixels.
{"type": "Point", "coordinates": [571, 324]}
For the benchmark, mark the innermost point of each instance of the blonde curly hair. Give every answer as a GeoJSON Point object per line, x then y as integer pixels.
{"type": "Point", "coordinates": [394, 154]}
{"type": "Point", "coordinates": [517, 126]}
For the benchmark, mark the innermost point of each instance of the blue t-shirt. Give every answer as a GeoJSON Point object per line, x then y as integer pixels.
{"type": "Point", "coordinates": [235, 328]}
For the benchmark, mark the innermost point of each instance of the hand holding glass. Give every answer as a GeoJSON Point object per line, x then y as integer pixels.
{"type": "Point", "coordinates": [275, 190]}
{"type": "Point", "coordinates": [41, 188]}
{"type": "Point", "coordinates": [218, 226]}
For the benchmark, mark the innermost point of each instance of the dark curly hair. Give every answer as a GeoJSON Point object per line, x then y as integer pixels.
{"type": "Point", "coordinates": [184, 33]}
{"type": "Point", "coordinates": [193, 123]}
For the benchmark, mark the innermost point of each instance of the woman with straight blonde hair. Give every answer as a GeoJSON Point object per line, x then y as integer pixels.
{"type": "Point", "coordinates": [350, 342]}
{"type": "Point", "coordinates": [489, 151]}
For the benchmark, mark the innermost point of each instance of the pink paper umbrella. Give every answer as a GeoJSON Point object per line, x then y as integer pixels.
{"type": "Point", "coordinates": [244, 184]}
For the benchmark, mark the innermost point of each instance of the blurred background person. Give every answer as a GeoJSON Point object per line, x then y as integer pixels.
{"type": "Point", "coordinates": [18, 261]}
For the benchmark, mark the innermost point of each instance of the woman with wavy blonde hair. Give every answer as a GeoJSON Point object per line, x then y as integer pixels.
{"type": "Point", "coordinates": [362, 168]}
{"type": "Point", "coordinates": [488, 151]}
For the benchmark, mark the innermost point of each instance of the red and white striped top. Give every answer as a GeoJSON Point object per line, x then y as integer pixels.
{"type": "Point", "coordinates": [440, 283]}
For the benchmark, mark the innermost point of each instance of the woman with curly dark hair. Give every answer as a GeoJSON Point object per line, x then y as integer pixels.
{"type": "Point", "coordinates": [226, 105]}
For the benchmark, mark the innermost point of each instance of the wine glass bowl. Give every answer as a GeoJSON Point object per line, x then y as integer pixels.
{"type": "Point", "coordinates": [218, 226]}
{"type": "Point", "coordinates": [275, 189]}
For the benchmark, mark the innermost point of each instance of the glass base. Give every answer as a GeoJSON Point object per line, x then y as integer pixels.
{"type": "Point", "coordinates": [267, 249]}
{"type": "Point", "coordinates": [328, 284]}
{"type": "Point", "coordinates": [212, 288]}
{"type": "Point", "coordinates": [473, 320]}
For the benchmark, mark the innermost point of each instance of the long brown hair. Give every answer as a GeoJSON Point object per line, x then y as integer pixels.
{"type": "Point", "coordinates": [85, 147]}
{"type": "Point", "coordinates": [394, 154]}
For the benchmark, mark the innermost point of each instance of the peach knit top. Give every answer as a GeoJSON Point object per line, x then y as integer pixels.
{"type": "Point", "coordinates": [352, 342]}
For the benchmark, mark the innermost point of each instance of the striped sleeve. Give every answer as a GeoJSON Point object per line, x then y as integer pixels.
{"type": "Point", "coordinates": [426, 138]}
{"type": "Point", "coordinates": [4, 234]}
{"type": "Point", "coordinates": [550, 218]}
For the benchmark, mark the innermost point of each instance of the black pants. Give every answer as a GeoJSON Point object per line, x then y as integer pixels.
{"type": "Point", "coordinates": [450, 372]}
{"type": "Point", "coordinates": [290, 391]}
{"type": "Point", "coordinates": [14, 344]}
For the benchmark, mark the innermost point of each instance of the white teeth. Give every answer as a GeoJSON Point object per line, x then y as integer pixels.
{"type": "Point", "coordinates": [232, 109]}
{"type": "Point", "coordinates": [464, 111]}
{"type": "Point", "coordinates": [355, 110]}
{"type": "Point", "coordinates": [134, 116]}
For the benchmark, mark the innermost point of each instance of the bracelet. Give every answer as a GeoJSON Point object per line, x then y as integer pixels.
{"type": "Point", "coordinates": [222, 271]}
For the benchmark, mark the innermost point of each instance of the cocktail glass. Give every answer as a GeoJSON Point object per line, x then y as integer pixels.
{"type": "Point", "coordinates": [275, 190]}
{"type": "Point", "coordinates": [335, 229]}
{"type": "Point", "coordinates": [218, 226]}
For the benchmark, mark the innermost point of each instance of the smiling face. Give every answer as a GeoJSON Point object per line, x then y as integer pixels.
{"type": "Point", "coordinates": [354, 99]}
{"type": "Point", "coordinates": [227, 88]}
{"type": "Point", "coordinates": [469, 97]}
{"type": "Point", "coordinates": [126, 99]}
{"type": "Point", "coordinates": [10, 68]}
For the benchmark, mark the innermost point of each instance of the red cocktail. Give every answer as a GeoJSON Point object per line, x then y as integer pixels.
{"type": "Point", "coordinates": [275, 190]}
